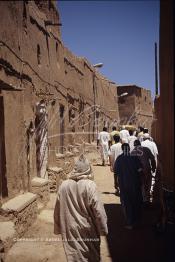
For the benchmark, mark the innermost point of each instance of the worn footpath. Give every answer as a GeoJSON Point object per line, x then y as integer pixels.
{"type": "Point", "coordinates": [39, 244]}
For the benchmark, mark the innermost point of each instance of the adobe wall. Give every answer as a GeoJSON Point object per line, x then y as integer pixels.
{"type": "Point", "coordinates": [145, 109]}
{"type": "Point", "coordinates": [135, 108]}
{"type": "Point", "coordinates": [37, 69]}
{"type": "Point", "coordinates": [165, 110]}
{"type": "Point", "coordinates": [156, 129]}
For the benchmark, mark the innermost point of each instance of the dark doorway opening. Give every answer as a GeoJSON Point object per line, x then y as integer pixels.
{"type": "Point", "coordinates": [61, 129]}
{"type": "Point", "coordinates": [3, 179]}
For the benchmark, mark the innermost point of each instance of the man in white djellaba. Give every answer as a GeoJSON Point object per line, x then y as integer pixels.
{"type": "Point", "coordinates": [124, 135]}
{"type": "Point", "coordinates": [150, 144]}
{"type": "Point", "coordinates": [103, 142]}
{"type": "Point", "coordinates": [153, 147]}
{"type": "Point", "coordinates": [79, 215]}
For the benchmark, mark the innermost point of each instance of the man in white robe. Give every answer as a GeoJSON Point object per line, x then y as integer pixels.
{"type": "Point", "coordinates": [153, 147]}
{"type": "Point", "coordinates": [124, 135]}
{"type": "Point", "coordinates": [131, 140]}
{"type": "Point", "coordinates": [150, 144]}
{"type": "Point", "coordinates": [114, 152]}
{"type": "Point", "coordinates": [103, 143]}
{"type": "Point", "coordinates": [79, 215]}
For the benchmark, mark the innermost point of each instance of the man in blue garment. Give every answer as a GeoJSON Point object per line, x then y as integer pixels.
{"type": "Point", "coordinates": [129, 171]}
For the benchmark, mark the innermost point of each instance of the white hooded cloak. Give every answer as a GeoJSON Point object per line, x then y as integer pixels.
{"type": "Point", "coordinates": [80, 215]}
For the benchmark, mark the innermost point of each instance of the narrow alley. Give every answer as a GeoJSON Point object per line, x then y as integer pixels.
{"type": "Point", "coordinates": [57, 104]}
{"type": "Point", "coordinates": [121, 245]}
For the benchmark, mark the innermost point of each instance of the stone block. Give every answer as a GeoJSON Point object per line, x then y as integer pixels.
{"type": "Point", "coordinates": [69, 154]}
{"type": "Point", "coordinates": [77, 148]}
{"type": "Point", "coordinates": [38, 181]}
{"type": "Point", "coordinates": [22, 211]}
{"type": "Point", "coordinates": [68, 167]}
{"type": "Point", "coordinates": [19, 203]}
{"type": "Point", "coordinates": [7, 230]}
{"type": "Point", "coordinates": [55, 169]}
{"type": "Point", "coordinates": [78, 144]}
{"type": "Point", "coordinates": [69, 162]}
{"type": "Point", "coordinates": [56, 175]}
{"type": "Point", "coordinates": [60, 159]}
{"type": "Point", "coordinates": [7, 234]}
{"type": "Point", "coordinates": [75, 151]}
{"type": "Point", "coordinates": [65, 161]}
{"type": "Point", "coordinates": [59, 155]}
{"type": "Point", "coordinates": [40, 187]}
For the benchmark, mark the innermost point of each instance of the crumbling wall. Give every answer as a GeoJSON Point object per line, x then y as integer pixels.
{"type": "Point", "coordinates": [156, 129]}
{"type": "Point", "coordinates": [37, 72]}
{"type": "Point", "coordinates": [165, 109]}
{"type": "Point", "coordinates": [145, 110]}
{"type": "Point", "coordinates": [15, 143]}
{"type": "Point", "coordinates": [136, 108]}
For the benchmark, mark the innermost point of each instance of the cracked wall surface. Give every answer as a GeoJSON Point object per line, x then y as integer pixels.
{"type": "Point", "coordinates": [136, 107]}
{"type": "Point", "coordinates": [36, 69]}
{"type": "Point", "coordinates": [163, 127]}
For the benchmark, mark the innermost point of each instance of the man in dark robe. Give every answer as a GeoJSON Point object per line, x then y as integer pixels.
{"type": "Point", "coordinates": [148, 162]}
{"type": "Point", "coordinates": [129, 171]}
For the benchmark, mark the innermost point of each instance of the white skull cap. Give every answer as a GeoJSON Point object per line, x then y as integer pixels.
{"type": "Point", "coordinates": [146, 135]}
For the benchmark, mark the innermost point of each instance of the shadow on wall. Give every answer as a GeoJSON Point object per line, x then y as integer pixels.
{"type": "Point", "coordinates": [3, 178]}
{"type": "Point", "coordinates": [139, 245]}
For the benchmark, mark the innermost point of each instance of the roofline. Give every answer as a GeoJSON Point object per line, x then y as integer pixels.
{"type": "Point", "coordinates": [132, 85]}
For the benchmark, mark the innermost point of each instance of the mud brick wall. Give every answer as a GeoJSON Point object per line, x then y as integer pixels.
{"type": "Point", "coordinates": [136, 108]}
{"type": "Point", "coordinates": [25, 218]}
{"type": "Point", "coordinates": [36, 68]}
{"type": "Point", "coordinates": [55, 176]}
{"type": "Point", "coordinates": [22, 210]}
{"type": "Point", "coordinates": [42, 192]}
{"type": "Point", "coordinates": [60, 160]}
{"type": "Point", "coordinates": [164, 105]}
{"type": "Point", "coordinates": [69, 162]}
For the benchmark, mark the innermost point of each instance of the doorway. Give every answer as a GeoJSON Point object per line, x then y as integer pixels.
{"type": "Point", "coordinates": [62, 129]}
{"type": "Point", "coordinates": [3, 178]}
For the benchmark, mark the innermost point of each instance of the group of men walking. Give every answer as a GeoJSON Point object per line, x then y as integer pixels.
{"type": "Point", "coordinates": [133, 160]}
{"type": "Point", "coordinates": [79, 215]}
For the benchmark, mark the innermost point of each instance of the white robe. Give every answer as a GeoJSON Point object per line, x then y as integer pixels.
{"type": "Point", "coordinates": [124, 135]}
{"type": "Point", "coordinates": [104, 139]}
{"type": "Point", "coordinates": [82, 219]}
{"type": "Point", "coordinates": [131, 140]}
{"type": "Point", "coordinates": [114, 152]}
{"type": "Point", "coordinates": [152, 146]}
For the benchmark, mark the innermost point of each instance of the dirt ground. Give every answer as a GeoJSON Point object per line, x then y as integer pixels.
{"type": "Point", "coordinates": [39, 244]}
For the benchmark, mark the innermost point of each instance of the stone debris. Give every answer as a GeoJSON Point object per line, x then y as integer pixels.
{"type": "Point", "coordinates": [40, 187]}
{"type": "Point", "coordinates": [55, 176]}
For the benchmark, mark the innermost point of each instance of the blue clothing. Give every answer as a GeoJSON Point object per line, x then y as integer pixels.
{"type": "Point", "coordinates": [128, 169]}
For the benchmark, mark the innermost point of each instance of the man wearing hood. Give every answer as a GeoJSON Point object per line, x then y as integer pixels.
{"type": "Point", "coordinates": [79, 215]}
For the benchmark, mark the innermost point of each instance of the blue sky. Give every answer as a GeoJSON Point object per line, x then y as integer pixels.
{"type": "Point", "coordinates": [120, 34]}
